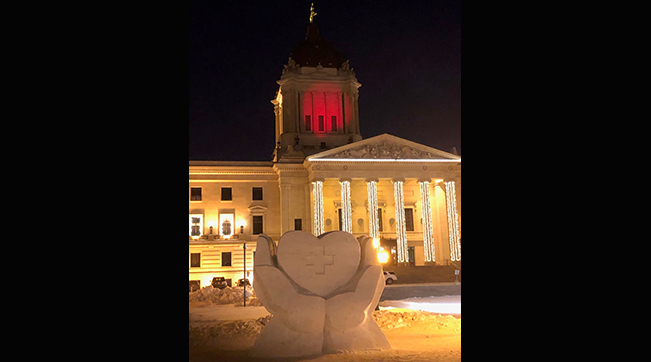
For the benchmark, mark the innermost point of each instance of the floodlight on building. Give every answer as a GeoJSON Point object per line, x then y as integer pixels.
{"type": "Point", "coordinates": [383, 256]}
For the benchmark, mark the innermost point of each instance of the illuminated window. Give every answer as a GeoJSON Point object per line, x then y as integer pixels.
{"type": "Point", "coordinates": [257, 224]}
{"type": "Point", "coordinates": [298, 224]}
{"type": "Point", "coordinates": [321, 124]}
{"type": "Point", "coordinates": [226, 259]}
{"type": "Point", "coordinates": [195, 260]}
{"type": "Point", "coordinates": [409, 219]}
{"type": "Point", "coordinates": [196, 226]}
{"type": "Point", "coordinates": [308, 123]}
{"type": "Point", "coordinates": [333, 119]}
{"type": "Point", "coordinates": [257, 193]}
{"type": "Point", "coordinates": [195, 194]}
{"type": "Point", "coordinates": [227, 194]}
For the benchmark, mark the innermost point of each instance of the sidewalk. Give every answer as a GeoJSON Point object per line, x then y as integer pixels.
{"type": "Point", "coordinates": [421, 290]}
{"type": "Point", "coordinates": [420, 284]}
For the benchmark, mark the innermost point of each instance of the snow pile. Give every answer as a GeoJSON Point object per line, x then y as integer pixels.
{"type": "Point", "coordinates": [228, 295]}
{"type": "Point", "coordinates": [386, 319]}
{"type": "Point", "coordinates": [203, 337]}
{"type": "Point", "coordinates": [250, 302]}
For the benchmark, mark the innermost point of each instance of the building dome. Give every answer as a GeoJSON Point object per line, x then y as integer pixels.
{"type": "Point", "coordinates": [314, 50]}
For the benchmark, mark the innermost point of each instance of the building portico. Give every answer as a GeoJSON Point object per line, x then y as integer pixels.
{"type": "Point", "coordinates": [410, 201]}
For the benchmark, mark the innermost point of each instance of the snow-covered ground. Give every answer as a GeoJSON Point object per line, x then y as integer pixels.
{"type": "Point", "coordinates": [225, 312]}
{"type": "Point", "coordinates": [449, 304]}
{"type": "Point", "coordinates": [225, 332]}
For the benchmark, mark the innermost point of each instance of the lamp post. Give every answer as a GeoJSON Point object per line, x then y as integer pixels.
{"type": "Point", "coordinates": [245, 274]}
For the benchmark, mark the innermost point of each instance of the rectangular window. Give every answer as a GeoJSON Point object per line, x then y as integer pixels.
{"type": "Point", "coordinates": [226, 259]}
{"type": "Point", "coordinates": [411, 255]}
{"type": "Point", "coordinates": [195, 260]}
{"type": "Point", "coordinates": [333, 119]}
{"type": "Point", "coordinates": [409, 219]}
{"type": "Point", "coordinates": [257, 193]}
{"type": "Point", "coordinates": [257, 224]}
{"type": "Point", "coordinates": [196, 226]}
{"type": "Point", "coordinates": [340, 219]}
{"type": "Point", "coordinates": [227, 194]}
{"type": "Point", "coordinates": [308, 123]}
{"type": "Point", "coordinates": [195, 194]}
{"type": "Point", "coordinates": [379, 219]}
{"type": "Point", "coordinates": [321, 124]}
{"type": "Point", "coordinates": [298, 224]}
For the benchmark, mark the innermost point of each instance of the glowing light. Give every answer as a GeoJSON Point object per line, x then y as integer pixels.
{"type": "Point", "coordinates": [376, 243]}
{"type": "Point", "coordinates": [453, 221]}
{"type": "Point", "coordinates": [383, 256]}
{"type": "Point", "coordinates": [428, 239]}
{"type": "Point", "coordinates": [401, 237]}
{"type": "Point", "coordinates": [373, 222]}
{"type": "Point", "coordinates": [317, 192]}
{"type": "Point", "coordinates": [346, 217]}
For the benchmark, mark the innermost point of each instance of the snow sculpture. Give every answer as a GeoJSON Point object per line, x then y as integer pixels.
{"type": "Point", "coordinates": [321, 293]}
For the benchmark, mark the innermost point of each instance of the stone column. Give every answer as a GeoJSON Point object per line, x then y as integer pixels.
{"type": "Point", "coordinates": [428, 238]}
{"type": "Point", "coordinates": [346, 217]}
{"type": "Point", "coordinates": [373, 222]}
{"type": "Point", "coordinates": [454, 233]}
{"type": "Point", "coordinates": [401, 232]}
{"type": "Point", "coordinates": [317, 207]}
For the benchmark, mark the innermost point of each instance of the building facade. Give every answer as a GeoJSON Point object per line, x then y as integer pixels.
{"type": "Point", "coordinates": [324, 177]}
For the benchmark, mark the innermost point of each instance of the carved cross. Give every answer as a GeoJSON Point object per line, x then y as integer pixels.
{"type": "Point", "coordinates": [319, 260]}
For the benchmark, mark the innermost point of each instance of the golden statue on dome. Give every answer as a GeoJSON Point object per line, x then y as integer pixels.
{"type": "Point", "coordinates": [312, 13]}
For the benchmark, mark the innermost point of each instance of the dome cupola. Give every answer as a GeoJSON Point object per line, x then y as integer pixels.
{"type": "Point", "coordinates": [315, 50]}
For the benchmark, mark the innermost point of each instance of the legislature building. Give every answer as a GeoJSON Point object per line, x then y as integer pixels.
{"type": "Point", "coordinates": [324, 177]}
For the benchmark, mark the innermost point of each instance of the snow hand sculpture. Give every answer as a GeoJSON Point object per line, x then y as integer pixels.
{"type": "Point", "coordinates": [321, 293]}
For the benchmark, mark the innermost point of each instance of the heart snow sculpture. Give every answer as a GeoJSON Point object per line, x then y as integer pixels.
{"type": "Point", "coordinates": [320, 265]}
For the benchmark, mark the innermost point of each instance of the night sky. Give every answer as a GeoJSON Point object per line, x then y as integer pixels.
{"type": "Point", "coordinates": [406, 55]}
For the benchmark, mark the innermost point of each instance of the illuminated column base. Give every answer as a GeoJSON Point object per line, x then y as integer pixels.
{"type": "Point", "coordinates": [346, 214]}
{"type": "Point", "coordinates": [453, 221]}
{"type": "Point", "coordinates": [317, 211]}
{"type": "Point", "coordinates": [401, 232]}
{"type": "Point", "coordinates": [428, 238]}
{"type": "Point", "coordinates": [373, 222]}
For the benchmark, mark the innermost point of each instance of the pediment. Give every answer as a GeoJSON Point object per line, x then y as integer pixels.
{"type": "Point", "coordinates": [385, 147]}
{"type": "Point", "coordinates": [257, 209]}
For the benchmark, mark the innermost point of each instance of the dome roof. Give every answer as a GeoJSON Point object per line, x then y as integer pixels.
{"type": "Point", "coordinates": [314, 50]}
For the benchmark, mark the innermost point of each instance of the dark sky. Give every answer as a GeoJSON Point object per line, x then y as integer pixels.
{"type": "Point", "coordinates": [406, 55]}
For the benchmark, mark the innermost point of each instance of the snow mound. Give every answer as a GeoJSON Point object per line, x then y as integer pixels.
{"type": "Point", "coordinates": [387, 319]}
{"type": "Point", "coordinates": [228, 295]}
{"type": "Point", "coordinates": [204, 337]}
